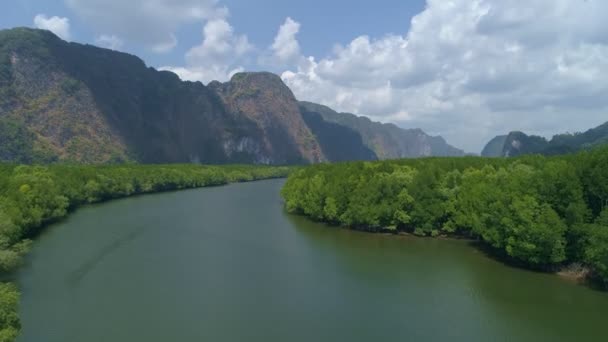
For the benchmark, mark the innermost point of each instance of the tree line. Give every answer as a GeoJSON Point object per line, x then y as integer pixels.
{"type": "Point", "coordinates": [32, 196]}
{"type": "Point", "coordinates": [540, 212]}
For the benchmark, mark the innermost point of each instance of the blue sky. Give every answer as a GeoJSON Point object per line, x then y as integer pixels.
{"type": "Point", "coordinates": [465, 69]}
{"type": "Point", "coordinates": [325, 23]}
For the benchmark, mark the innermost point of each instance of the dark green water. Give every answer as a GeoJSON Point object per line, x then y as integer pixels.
{"type": "Point", "coordinates": [227, 264]}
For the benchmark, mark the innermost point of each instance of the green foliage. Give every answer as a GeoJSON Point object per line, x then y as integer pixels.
{"type": "Point", "coordinates": [70, 86]}
{"type": "Point", "coordinates": [16, 142]}
{"type": "Point", "coordinates": [538, 211]}
{"type": "Point", "coordinates": [9, 319]}
{"type": "Point", "coordinates": [31, 196]}
{"type": "Point", "coordinates": [592, 245]}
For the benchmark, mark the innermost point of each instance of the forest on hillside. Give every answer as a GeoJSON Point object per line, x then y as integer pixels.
{"type": "Point", "coordinates": [539, 212]}
{"type": "Point", "coordinates": [33, 196]}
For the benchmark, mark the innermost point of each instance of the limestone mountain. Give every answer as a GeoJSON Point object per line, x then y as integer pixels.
{"type": "Point", "coordinates": [73, 102]}
{"type": "Point", "coordinates": [388, 141]}
{"type": "Point", "coordinates": [69, 102]}
{"type": "Point", "coordinates": [339, 143]}
{"type": "Point", "coordinates": [264, 99]}
{"type": "Point", "coordinates": [495, 147]}
{"type": "Point", "coordinates": [518, 143]}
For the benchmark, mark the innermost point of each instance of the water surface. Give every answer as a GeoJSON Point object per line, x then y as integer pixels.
{"type": "Point", "coordinates": [227, 264]}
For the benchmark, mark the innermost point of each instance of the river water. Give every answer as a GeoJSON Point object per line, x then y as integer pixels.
{"type": "Point", "coordinates": [228, 264]}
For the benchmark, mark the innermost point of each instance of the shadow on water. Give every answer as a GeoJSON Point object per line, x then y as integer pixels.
{"type": "Point", "coordinates": [76, 276]}
{"type": "Point", "coordinates": [488, 251]}
{"type": "Point", "coordinates": [443, 276]}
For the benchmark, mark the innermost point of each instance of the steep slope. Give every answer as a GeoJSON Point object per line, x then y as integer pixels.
{"type": "Point", "coordinates": [266, 100]}
{"type": "Point", "coordinates": [387, 140]}
{"type": "Point", "coordinates": [339, 143]}
{"type": "Point", "coordinates": [44, 113]}
{"type": "Point", "coordinates": [64, 101]}
{"type": "Point", "coordinates": [518, 143]}
{"type": "Point", "coordinates": [494, 147]}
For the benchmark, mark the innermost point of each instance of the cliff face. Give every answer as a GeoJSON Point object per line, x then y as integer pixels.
{"type": "Point", "coordinates": [63, 101]}
{"type": "Point", "coordinates": [55, 115]}
{"type": "Point", "coordinates": [387, 140]}
{"type": "Point", "coordinates": [264, 99]}
{"type": "Point", "coordinates": [82, 103]}
{"type": "Point", "coordinates": [339, 143]}
{"type": "Point", "coordinates": [73, 102]}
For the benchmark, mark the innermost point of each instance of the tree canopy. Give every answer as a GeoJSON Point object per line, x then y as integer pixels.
{"type": "Point", "coordinates": [538, 211]}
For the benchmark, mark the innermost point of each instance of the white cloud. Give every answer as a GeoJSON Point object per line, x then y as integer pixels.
{"type": "Point", "coordinates": [109, 41]}
{"type": "Point", "coordinates": [203, 74]}
{"type": "Point", "coordinates": [57, 25]}
{"type": "Point", "coordinates": [152, 23]}
{"type": "Point", "coordinates": [470, 69]}
{"type": "Point", "coordinates": [217, 57]}
{"type": "Point", "coordinates": [220, 45]}
{"type": "Point", "coordinates": [286, 47]}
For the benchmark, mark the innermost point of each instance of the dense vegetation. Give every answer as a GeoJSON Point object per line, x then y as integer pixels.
{"type": "Point", "coordinates": [541, 212]}
{"type": "Point", "coordinates": [31, 196]}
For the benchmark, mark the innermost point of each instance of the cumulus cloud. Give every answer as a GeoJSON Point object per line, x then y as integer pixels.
{"type": "Point", "coordinates": [57, 25]}
{"type": "Point", "coordinates": [217, 57]}
{"type": "Point", "coordinates": [109, 41]}
{"type": "Point", "coordinates": [149, 23]}
{"type": "Point", "coordinates": [220, 45]}
{"type": "Point", "coordinates": [470, 69]}
{"type": "Point", "coordinates": [286, 47]}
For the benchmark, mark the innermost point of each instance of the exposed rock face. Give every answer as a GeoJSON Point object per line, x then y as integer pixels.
{"type": "Point", "coordinates": [59, 112]}
{"type": "Point", "coordinates": [63, 101]}
{"type": "Point", "coordinates": [387, 140]}
{"type": "Point", "coordinates": [269, 103]}
{"type": "Point", "coordinates": [86, 104]}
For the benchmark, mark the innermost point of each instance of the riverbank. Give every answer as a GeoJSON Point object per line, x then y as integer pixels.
{"type": "Point", "coordinates": [574, 272]}
{"type": "Point", "coordinates": [228, 264]}
{"type": "Point", "coordinates": [540, 213]}
{"type": "Point", "coordinates": [31, 197]}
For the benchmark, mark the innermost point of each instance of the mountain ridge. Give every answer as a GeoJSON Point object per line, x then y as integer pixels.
{"type": "Point", "coordinates": [518, 143]}
{"type": "Point", "coordinates": [69, 102]}
{"type": "Point", "coordinates": [387, 140]}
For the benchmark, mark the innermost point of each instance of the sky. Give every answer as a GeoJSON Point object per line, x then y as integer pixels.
{"type": "Point", "coordinates": [464, 69]}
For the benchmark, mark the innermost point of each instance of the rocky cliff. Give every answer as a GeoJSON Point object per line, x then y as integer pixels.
{"type": "Point", "coordinates": [264, 99]}
{"type": "Point", "coordinates": [388, 141]}
{"type": "Point", "coordinates": [70, 102]}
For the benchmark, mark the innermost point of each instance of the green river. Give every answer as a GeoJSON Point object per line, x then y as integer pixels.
{"type": "Point", "coordinates": [228, 264]}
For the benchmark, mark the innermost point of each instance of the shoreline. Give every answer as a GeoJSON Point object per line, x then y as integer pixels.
{"type": "Point", "coordinates": [574, 272]}
{"type": "Point", "coordinates": [140, 180]}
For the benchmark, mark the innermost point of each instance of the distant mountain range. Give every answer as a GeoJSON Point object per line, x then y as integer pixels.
{"type": "Point", "coordinates": [387, 141]}
{"type": "Point", "coordinates": [63, 101]}
{"type": "Point", "coordinates": [518, 143]}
